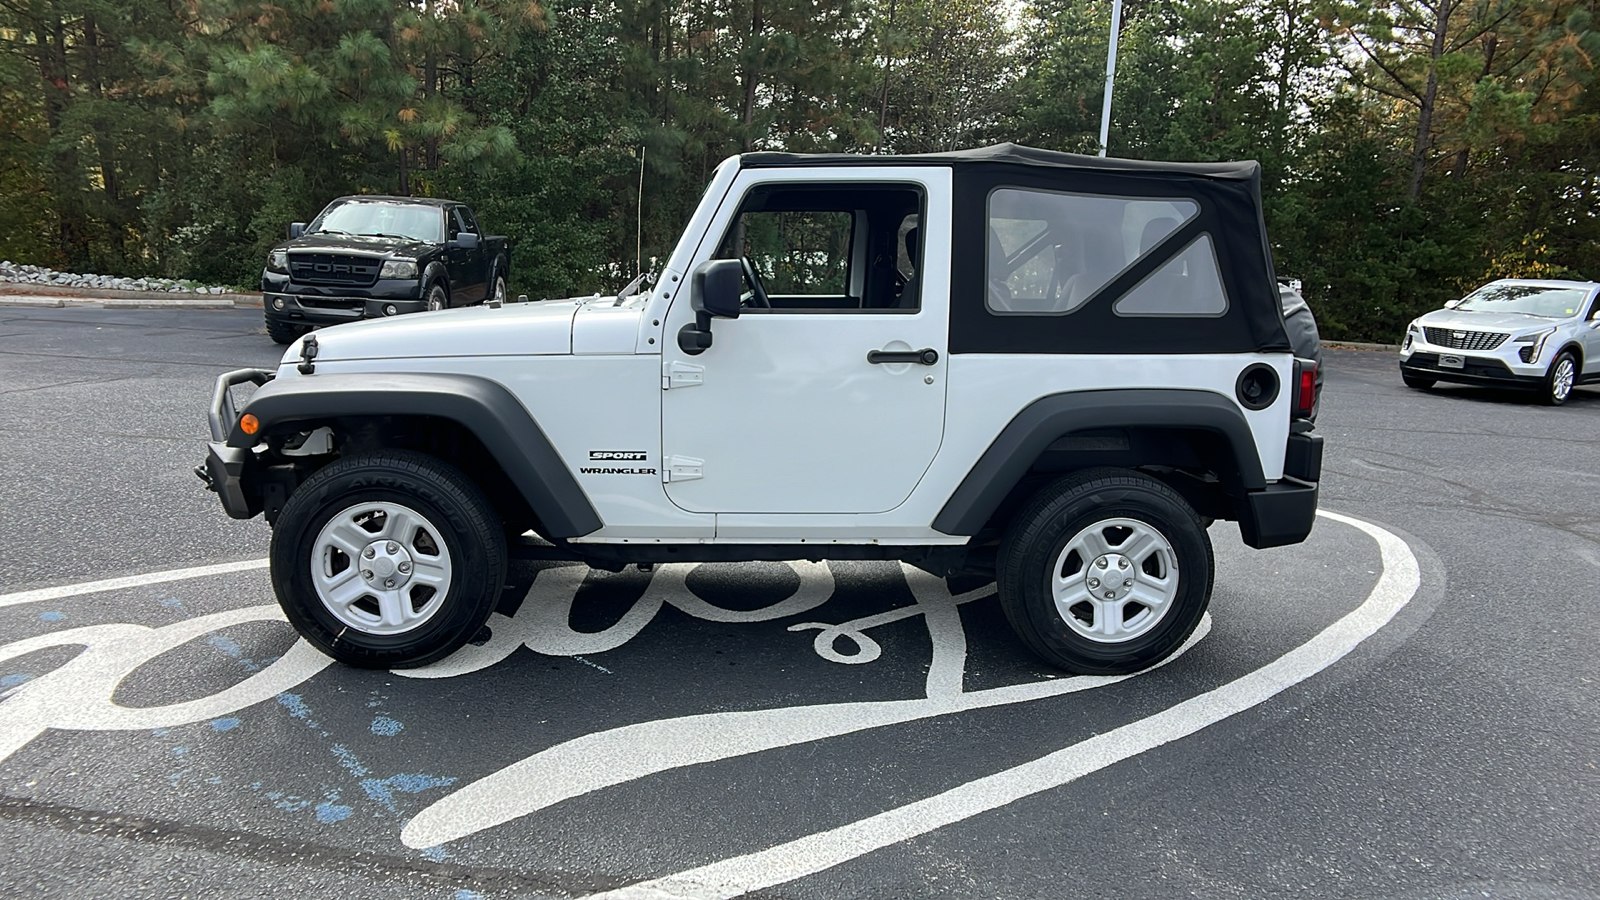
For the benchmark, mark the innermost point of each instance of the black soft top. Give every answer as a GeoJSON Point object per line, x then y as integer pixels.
{"type": "Point", "coordinates": [1228, 195]}
{"type": "Point", "coordinates": [1011, 154]}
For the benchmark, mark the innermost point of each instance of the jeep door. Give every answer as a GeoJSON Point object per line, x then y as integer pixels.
{"type": "Point", "coordinates": [829, 396]}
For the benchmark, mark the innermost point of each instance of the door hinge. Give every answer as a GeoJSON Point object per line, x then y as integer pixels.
{"type": "Point", "coordinates": [682, 468]}
{"type": "Point", "coordinates": [676, 374]}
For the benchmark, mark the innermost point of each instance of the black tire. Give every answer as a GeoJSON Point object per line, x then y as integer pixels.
{"type": "Point", "coordinates": [1421, 384]}
{"type": "Point", "coordinates": [1039, 535]}
{"type": "Point", "coordinates": [1558, 386]}
{"type": "Point", "coordinates": [497, 288]}
{"type": "Point", "coordinates": [438, 296]}
{"type": "Point", "coordinates": [283, 332]}
{"type": "Point", "coordinates": [447, 501]}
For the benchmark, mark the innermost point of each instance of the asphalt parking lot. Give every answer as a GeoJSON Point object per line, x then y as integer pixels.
{"type": "Point", "coordinates": [1404, 706]}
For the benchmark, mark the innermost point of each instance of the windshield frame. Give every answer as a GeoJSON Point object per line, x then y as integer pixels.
{"type": "Point", "coordinates": [317, 225]}
{"type": "Point", "coordinates": [1487, 301]}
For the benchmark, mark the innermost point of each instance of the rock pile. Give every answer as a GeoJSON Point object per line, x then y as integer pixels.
{"type": "Point", "coordinates": [21, 274]}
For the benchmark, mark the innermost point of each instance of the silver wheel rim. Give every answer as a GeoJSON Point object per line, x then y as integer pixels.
{"type": "Point", "coordinates": [500, 289]}
{"type": "Point", "coordinates": [435, 300]}
{"type": "Point", "coordinates": [1115, 581]}
{"type": "Point", "coordinates": [380, 568]}
{"type": "Point", "coordinates": [1561, 383]}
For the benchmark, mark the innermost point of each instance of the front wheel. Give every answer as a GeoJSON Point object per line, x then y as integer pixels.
{"type": "Point", "coordinates": [438, 298]}
{"type": "Point", "coordinates": [1105, 572]}
{"type": "Point", "coordinates": [1417, 382]}
{"type": "Point", "coordinates": [1559, 380]}
{"type": "Point", "coordinates": [390, 559]}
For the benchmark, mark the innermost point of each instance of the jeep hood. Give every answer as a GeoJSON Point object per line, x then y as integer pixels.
{"type": "Point", "coordinates": [518, 329]}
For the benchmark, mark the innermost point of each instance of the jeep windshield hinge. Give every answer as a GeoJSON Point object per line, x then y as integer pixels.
{"type": "Point", "coordinates": [682, 468]}
{"type": "Point", "coordinates": [678, 374]}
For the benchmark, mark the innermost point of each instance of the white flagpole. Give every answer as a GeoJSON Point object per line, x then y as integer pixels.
{"type": "Point", "coordinates": [1111, 74]}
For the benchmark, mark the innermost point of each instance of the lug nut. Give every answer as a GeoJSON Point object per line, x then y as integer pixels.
{"type": "Point", "coordinates": [391, 547]}
{"type": "Point", "coordinates": [367, 574]}
{"type": "Point", "coordinates": [1094, 582]}
{"type": "Point", "coordinates": [404, 567]}
{"type": "Point", "coordinates": [1111, 595]}
{"type": "Point", "coordinates": [371, 552]}
{"type": "Point", "coordinates": [388, 582]}
{"type": "Point", "coordinates": [1122, 563]}
{"type": "Point", "coordinates": [1101, 562]}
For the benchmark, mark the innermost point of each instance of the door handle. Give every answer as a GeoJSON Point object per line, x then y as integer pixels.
{"type": "Point", "coordinates": [927, 356]}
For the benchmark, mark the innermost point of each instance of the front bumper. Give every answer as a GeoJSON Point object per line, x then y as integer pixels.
{"type": "Point", "coordinates": [1501, 367]}
{"type": "Point", "coordinates": [319, 310]}
{"type": "Point", "coordinates": [227, 469]}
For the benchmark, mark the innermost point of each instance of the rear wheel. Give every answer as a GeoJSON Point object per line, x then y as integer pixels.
{"type": "Point", "coordinates": [1421, 384]}
{"type": "Point", "coordinates": [1559, 380]}
{"type": "Point", "coordinates": [1105, 572]}
{"type": "Point", "coordinates": [283, 332]}
{"type": "Point", "coordinates": [497, 289]}
{"type": "Point", "coordinates": [390, 559]}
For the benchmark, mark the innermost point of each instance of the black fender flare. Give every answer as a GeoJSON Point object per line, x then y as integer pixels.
{"type": "Point", "coordinates": [484, 407]}
{"type": "Point", "coordinates": [435, 271]}
{"type": "Point", "coordinates": [1048, 418]}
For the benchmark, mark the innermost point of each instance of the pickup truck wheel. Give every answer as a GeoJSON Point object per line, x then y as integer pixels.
{"type": "Point", "coordinates": [283, 332]}
{"type": "Point", "coordinates": [497, 292]}
{"type": "Point", "coordinates": [390, 559]}
{"type": "Point", "coordinates": [438, 298]}
{"type": "Point", "coordinates": [1105, 572]}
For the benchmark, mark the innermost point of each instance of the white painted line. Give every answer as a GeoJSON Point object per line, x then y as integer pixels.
{"type": "Point", "coordinates": [127, 581]}
{"type": "Point", "coordinates": [817, 852]}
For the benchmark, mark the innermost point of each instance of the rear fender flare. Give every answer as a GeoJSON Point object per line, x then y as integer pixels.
{"type": "Point", "coordinates": [1049, 418]}
{"type": "Point", "coordinates": [486, 408]}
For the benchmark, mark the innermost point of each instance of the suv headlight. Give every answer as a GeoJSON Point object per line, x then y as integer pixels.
{"type": "Point", "coordinates": [1531, 345]}
{"type": "Point", "coordinates": [278, 261]}
{"type": "Point", "coordinates": [398, 268]}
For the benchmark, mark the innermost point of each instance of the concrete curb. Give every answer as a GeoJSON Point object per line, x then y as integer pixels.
{"type": "Point", "coordinates": [208, 301]}
{"type": "Point", "coordinates": [1361, 345]}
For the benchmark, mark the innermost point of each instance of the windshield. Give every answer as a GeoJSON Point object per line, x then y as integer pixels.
{"type": "Point", "coordinates": [423, 223]}
{"type": "Point", "coordinates": [1533, 299]}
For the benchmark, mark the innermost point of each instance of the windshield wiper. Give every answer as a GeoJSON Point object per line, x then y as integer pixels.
{"type": "Point", "coordinates": [332, 231]}
{"type": "Point", "coordinates": [403, 237]}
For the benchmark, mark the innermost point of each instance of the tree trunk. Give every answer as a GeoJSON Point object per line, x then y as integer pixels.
{"type": "Point", "coordinates": [888, 68]}
{"type": "Point", "coordinates": [1490, 44]}
{"type": "Point", "coordinates": [751, 77]}
{"type": "Point", "coordinates": [1430, 96]}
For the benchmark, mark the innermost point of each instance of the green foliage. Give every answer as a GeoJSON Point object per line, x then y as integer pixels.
{"type": "Point", "coordinates": [1410, 151]}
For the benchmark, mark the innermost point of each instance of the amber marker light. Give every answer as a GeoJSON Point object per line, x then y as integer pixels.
{"type": "Point", "coordinates": [249, 424]}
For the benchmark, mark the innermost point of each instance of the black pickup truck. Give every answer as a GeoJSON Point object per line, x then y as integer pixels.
{"type": "Point", "coordinates": [367, 257]}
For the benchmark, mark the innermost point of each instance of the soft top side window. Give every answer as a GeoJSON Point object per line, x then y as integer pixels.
{"type": "Point", "coordinates": [834, 248]}
{"type": "Point", "coordinates": [1049, 252]}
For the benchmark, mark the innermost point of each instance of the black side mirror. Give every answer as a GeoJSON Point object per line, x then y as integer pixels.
{"type": "Point", "coordinates": [466, 240]}
{"type": "Point", "coordinates": [714, 292]}
{"type": "Point", "coordinates": [296, 229]}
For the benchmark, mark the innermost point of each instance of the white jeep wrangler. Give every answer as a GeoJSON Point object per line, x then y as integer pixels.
{"type": "Point", "coordinates": [1050, 370]}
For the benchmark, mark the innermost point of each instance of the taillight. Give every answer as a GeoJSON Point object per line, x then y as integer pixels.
{"type": "Point", "coordinates": [1305, 388]}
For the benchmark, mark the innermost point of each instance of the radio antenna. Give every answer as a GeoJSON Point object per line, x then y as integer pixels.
{"type": "Point", "coordinates": [638, 233]}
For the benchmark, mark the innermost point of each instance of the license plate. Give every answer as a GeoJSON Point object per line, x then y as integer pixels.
{"type": "Point", "coordinates": [1452, 362]}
